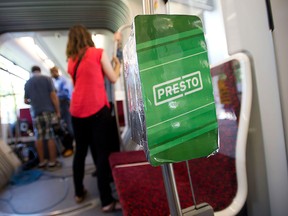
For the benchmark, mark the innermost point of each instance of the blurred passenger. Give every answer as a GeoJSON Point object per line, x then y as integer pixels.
{"type": "Point", "coordinates": [91, 117]}
{"type": "Point", "coordinates": [41, 95]}
{"type": "Point", "coordinates": [63, 89]}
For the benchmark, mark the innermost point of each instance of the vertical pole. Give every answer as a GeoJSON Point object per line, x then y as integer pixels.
{"type": "Point", "coordinates": [125, 105]}
{"type": "Point", "coordinates": [167, 169]}
{"type": "Point", "coordinates": [147, 6]}
{"type": "Point", "coordinates": [171, 190]}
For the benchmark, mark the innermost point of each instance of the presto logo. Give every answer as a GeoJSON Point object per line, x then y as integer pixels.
{"type": "Point", "coordinates": [177, 88]}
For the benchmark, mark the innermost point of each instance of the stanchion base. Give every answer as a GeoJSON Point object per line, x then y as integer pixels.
{"type": "Point", "coordinates": [202, 209]}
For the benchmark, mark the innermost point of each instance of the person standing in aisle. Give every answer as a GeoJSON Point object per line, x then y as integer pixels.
{"type": "Point", "coordinates": [41, 95]}
{"type": "Point", "coordinates": [91, 117]}
{"type": "Point", "coordinates": [63, 89]}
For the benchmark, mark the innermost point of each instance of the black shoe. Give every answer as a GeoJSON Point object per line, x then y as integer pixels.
{"type": "Point", "coordinates": [54, 165]}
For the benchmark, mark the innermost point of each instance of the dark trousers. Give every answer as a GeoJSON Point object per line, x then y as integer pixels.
{"type": "Point", "coordinates": [66, 140]}
{"type": "Point", "coordinates": [93, 131]}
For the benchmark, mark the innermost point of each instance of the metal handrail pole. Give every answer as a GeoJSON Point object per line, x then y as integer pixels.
{"type": "Point", "coordinates": [167, 169]}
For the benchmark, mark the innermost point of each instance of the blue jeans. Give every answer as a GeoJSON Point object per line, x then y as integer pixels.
{"type": "Point", "coordinates": [66, 117]}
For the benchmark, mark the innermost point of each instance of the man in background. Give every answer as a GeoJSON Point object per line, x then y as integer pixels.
{"type": "Point", "coordinates": [63, 89]}
{"type": "Point", "coordinates": [41, 95]}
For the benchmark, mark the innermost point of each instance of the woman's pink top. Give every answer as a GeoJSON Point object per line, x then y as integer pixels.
{"type": "Point", "coordinates": [89, 94]}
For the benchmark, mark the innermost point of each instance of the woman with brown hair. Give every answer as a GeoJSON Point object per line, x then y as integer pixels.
{"type": "Point", "coordinates": [90, 112]}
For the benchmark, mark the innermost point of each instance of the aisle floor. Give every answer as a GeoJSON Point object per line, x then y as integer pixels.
{"type": "Point", "coordinates": [53, 194]}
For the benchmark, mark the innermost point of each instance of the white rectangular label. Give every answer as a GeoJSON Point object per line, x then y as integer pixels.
{"type": "Point", "coordinates": [177, 88]}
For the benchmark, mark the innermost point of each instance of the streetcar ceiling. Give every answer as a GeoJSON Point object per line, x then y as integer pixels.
{"type": "Point", "coordinates": [48, 21]}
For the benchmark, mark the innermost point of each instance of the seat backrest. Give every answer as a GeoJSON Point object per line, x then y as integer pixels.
{"type": "Point", "coordinates": [233, 94]}
{"type": "Point", "coordinates": [221, 179]}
